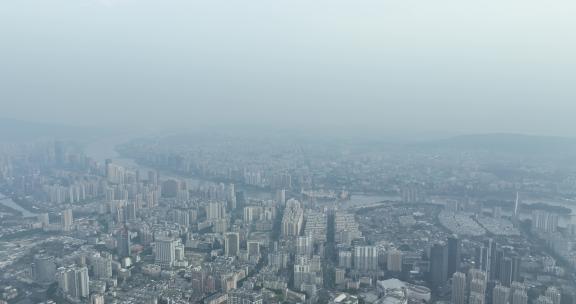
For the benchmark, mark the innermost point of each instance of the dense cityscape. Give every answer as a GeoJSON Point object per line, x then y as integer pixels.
{"type": "Point", "coordinates": [224, 219]}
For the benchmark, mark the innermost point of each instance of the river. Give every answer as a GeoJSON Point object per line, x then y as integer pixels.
{"type": "Point", "coordinates": [8, 202]}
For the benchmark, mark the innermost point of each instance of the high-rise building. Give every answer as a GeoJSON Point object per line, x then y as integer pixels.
{"type": "Point", "coordinates": [67, 219]}
{"type": "Point", "coordinates": [232, 244]}
{"type": "Point", "coordinates": [453, 255]}
{"type": "Point", "coordinates": [44, 269]}
{"type": "Point", "coordinates": [477, 286]}
{"type": "Point", "coordinates": [520, 297]}
{"type": "Point", "coordinates": [281, 197]}
{"type": "Point", "coordinates": [74, 281]}
{"type": "Point", "coordinates": [101, 266]}
{"type": "Point", "coordinates": [165, 252]}
{"type": "Point", "coordinates": [302, 272]}
{"type": "Point", "coordinates": [293, 218]}
{"type": "Point", "coordinates": [366, 258]}
{"type": "Point", "coordinates": [554, 294]}
{"type": "Point", "coordinates": [304, 245]}
{"type": "Point", "coordinates": [340, 276]}
{"type": "Point", "coordinates": [485, 257]}
{"type": "Point", "coordinates": [394, 261]}
{"type": "Point", "coordinates": [345, 259]}
{"type": "Point", "coordinates": [459, 288]}
{"type": "Point", "coordinates": [438, 265]}
{"type": "Point", "coordinates": [253, 248]}
{"type": "Point", "coordinates": [231, 197]}
{"type": "Point", "coordinates": [123, 243]}
{"type": "Point", "coordinates": [500, 295]}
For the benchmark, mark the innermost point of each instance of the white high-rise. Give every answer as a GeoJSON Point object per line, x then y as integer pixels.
{"type": "Point", "coordinates": [165, 252]}
{"type": "Point", "coordinates": [459, 288]}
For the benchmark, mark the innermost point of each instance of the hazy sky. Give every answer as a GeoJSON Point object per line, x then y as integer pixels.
{"type": "Point", "coordinates": [391, 65]}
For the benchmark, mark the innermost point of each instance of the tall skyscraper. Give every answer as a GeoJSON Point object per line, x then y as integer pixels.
{"type": "Point", "coordinates": [394, 261]}
{"type": "Point", "coordinates": [438, 265]}
{"type": "Point", "coordinates": [459, 288]}
{"type": "Point", "coordinates": [485, 255]}
{"type": "Point", "coordinates": [231, 197]}
{"type": "Point", "coordinates": [123, 243]}
{"type": "Point", "coordinates": [67, 219]}
{"type": "Point", "coordinates": [453, 255]}
{"type": "Point", "coordinates": [232, 244]}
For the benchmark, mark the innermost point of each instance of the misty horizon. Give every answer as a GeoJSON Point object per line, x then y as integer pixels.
{"type": "Point", "coordinates": [391, 67]}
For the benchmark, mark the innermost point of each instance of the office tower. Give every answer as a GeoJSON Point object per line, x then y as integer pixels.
{"type": "Point", "coordinates": [485, 255]}
{"type": "Point", "coordinates": [459, 288]}
{"type": "Point", "coordinates": [345, 259]}
{"type": "Point", "coordinates": [131, 211]}
{"type": "Point", "coordinates": [165, 252]}
{"type": "Point", "coordinates": [453, 255]}
{"type": "Point", "coordinates": [520, 297]}
{"type": "Point", "coordinates": [554, 294]}
{"type": "Point", "coordinates": [232, 244]}
{"type": "Point", "coordinates": [123, 243]}
{"type": "Point", "coordinates": [516, 213]}
{"type": "Point", "coordinates": [74, 281]}
{"type": "Point", "coordinates": [281, 197]}
{"type": "Point", "coordinates": [231, 197]}
{"type": "Point", "coordinates": [500, 294]}
{"type": "Point", "coordinates": [240, 199]}
{"type": "Point", "coordinates": [243, 296]}
{"type": "Point", "coordinates": [44, 269]}
{"type": "Point", "coordinates": [365, 258]}
{"type": "Point", "coordinates": [67, 220]}
{"type": "Point", "coordinates": [394, 261]}
{"type": "Point", "coordinates": [438, 265]}
{"type": "Point", "coordinates": [304, 245]}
